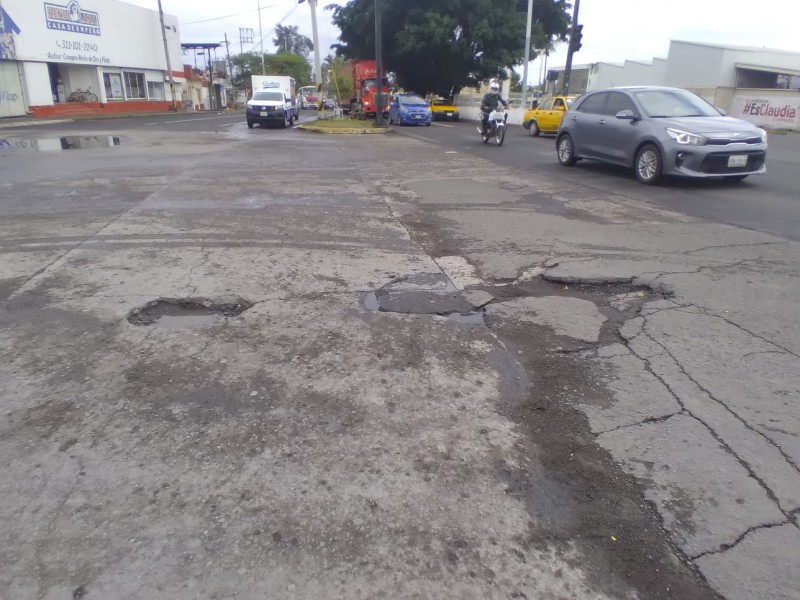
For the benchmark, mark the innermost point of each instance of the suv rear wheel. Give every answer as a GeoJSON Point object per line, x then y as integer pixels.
{"type": "Point", "coordinates": [565, 148]}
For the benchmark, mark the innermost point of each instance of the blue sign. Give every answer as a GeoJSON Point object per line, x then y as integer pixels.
{"type": "Point", "coordinates": [71, 18]}
{"type": "Point", "coordinates": [7, 24]}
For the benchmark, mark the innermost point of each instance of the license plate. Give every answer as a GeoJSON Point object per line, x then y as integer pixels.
{"type": "Point", "coordinates": [737, 160]}
{"type": "Point", "coordinates": [264, 113]}
{"type": "Point", "coordinates": [449, 114]}
{"type": "Point", "coordinates": [417, 116]}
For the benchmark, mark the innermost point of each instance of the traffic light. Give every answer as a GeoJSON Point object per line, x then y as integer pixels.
{"type": "Point", "coordinates": [575, 38]}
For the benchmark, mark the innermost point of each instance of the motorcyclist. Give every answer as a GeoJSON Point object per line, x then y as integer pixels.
{"type": "Point", "coordinates": [489, 103]}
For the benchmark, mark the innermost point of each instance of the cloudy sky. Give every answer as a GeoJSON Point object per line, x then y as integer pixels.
{"type": "Point", "coordinates": [613, 29]}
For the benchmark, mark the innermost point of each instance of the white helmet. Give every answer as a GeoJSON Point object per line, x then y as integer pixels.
{"type": "Point", "coordinates": [494, 87]}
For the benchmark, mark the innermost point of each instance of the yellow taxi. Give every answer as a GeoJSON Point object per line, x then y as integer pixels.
{"type": "Point", "coordinates": [546, 118]}
{"type": "Point", "coordinates": [443, 110]}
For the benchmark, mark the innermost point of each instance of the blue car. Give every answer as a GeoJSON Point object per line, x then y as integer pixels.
{"type": "Point", "coordinates": [410, 109]}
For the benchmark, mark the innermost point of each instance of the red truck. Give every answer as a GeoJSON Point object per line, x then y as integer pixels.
{"type": "Point", "coordinates": [365, 88]}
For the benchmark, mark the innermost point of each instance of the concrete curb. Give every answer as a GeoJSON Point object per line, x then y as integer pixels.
{"type": "Point", "coordinates": [342, 131]}
{"type": "Point", "coordinates": [30, 122]}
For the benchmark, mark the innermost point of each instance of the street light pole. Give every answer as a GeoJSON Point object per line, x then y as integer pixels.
{"type": "Point", "coordinates": [174, 107]}
{"type": "Point", "coordinates": [527, 56]}
{"type": "Point", "coordinates": [378, 65]}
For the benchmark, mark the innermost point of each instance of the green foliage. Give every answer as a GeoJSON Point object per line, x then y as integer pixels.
{"type": "Point", "coordinates": [440, 47]}
{"type": "Point", "coordinates": [289, 39]}
{"type": "Point", "coordinates": [341, 81]}
{"type": "Point", "coordinates": [249, 63]}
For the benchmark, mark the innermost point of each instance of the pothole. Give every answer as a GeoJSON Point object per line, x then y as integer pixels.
{"type": "Point", "coordinates": [428, 294]}
{"type": "Point", "coordinates": [177, 313]}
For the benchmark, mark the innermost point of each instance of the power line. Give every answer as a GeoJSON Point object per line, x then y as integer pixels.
{"type": "Point", "coordinates": [286, 16]}
{"type": "Point", "coordinates": [227, 16]}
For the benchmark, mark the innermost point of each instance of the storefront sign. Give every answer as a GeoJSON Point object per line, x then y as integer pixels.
{"type": "Point", "coordinates": [71, 18]}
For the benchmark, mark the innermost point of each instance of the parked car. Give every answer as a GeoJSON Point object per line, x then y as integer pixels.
{"type": "Point", "coordinates": [660, 131]}
{"type": "Point", "coordinates": [547, 116]}
{"type": "Point", "coordinates": [409, 109]}
{"type": "Point", "coordinates": [444, 110]}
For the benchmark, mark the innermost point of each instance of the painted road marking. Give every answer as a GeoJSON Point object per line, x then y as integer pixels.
{"type": "Point", "coordinates": [443, 125]}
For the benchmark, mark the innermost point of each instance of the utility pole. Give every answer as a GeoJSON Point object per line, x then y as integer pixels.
{"type": "Point", "coordinates": [261, 35]}
{"type": "Point", "coordinates": [527, 56]}
{"type": "Point", "coordinates": [315, 40]}
{"type": "Point", "coordinates": [378, 65]}
{"type": "Point", "coordinates": [174, 107]}
{"type": "Point", "coordinates": [230, 68]}
{"type": "Point", "coordinates": [571, 49]}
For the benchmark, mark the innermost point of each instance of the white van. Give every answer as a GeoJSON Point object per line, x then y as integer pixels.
{"type": "Point", "coordinates": [273, 101]}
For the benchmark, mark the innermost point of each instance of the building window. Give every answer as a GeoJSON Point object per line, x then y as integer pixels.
{"type": "Point", "coordinates": [113, 85]}
{"type": "Point", "coordinates": [155, 90]}
{"type": "Point", "coordinates": [134, 85]}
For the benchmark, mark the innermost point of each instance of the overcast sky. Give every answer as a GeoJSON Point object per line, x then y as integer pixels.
{"type": "Point", "coordinates": [613, 29]}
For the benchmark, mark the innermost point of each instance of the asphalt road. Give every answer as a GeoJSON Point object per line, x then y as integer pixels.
{"type": "Point", "coordinates": [769, 203]}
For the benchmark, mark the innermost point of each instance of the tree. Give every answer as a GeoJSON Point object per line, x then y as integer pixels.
{"type": "Point", "coordinates": [341, 81]}
{"type": "Point", "coordinates": [248, 64]}
{"type": "Point", "coordinates": [289, 39]}
{"type": "Point", "coordinates": [443, 46]}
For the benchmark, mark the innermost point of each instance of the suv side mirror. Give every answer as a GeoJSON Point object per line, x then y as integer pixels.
{"type": "Point", "coordinates": [626, 115]}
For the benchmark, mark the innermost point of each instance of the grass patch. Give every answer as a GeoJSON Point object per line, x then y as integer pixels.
{"type": "Point", "coordinates": [342, 124]}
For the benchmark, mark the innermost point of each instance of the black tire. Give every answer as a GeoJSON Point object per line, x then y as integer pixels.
{"type": "Point", "coordinates": [427, 124]}
{"type": "Point", "coordinates": [648, 164]}
{"type": "Point", "coordinates": [735, 177]}
{"type": "Point", "coordinates": [285, 123]}
{"type": "Point", "coordinates": [534, 130]}
{"type": "Point", "coordinates": [565, 150]}
{"type": "Point", "coordinates": [250, 124]}
{"type": "Point", "coordinates": [500, 136]}
{"type": "Point", "coordinates": [485, 138]}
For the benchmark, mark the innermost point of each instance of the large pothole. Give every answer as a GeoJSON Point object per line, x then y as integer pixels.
{"type": "Point", "coordinates": [429, 294]}
{"type": "Point", "coordinates": [178, 313]}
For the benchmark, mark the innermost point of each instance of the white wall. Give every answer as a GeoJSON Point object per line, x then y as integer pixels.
{"type": "Point", "coordinates": [37, 83]}
{"type": "Point", "coordinates": [759, 57]}
{"type": "Point", "coordinates": [693, 65]}
{"type": "Point", "coordinates": [125, 36]}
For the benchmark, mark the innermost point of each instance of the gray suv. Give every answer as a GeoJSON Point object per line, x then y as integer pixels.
{"type": "Point", "coordinates": [660, 131]}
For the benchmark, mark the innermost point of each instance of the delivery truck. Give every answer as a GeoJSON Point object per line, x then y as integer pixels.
{"type": "Point", "coordinates": [274, 101]}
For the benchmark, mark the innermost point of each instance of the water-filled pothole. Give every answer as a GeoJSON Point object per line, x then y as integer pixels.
{"type": "Point", "coordinates": [70, 142]}
{"type": "Point", "coordinates": [171, 313]}
{"type": "Point", "coordinates": [426, 294]}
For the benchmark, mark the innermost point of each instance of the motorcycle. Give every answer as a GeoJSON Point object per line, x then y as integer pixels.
{"type": "Point", "coordinates": [495, 127]}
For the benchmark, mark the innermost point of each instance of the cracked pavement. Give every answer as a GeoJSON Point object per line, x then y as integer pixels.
{"type": "Point", "coordinates": [621, 421]}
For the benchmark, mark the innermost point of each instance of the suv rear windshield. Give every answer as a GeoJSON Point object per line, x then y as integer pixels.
{"type": "Point", "coordinates": [268, 96]}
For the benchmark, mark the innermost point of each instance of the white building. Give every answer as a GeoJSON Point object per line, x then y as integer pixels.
{"type": "Point", "coordinates": [68, 57]}
{"type": "Point", "coordinates": [757, 84]}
